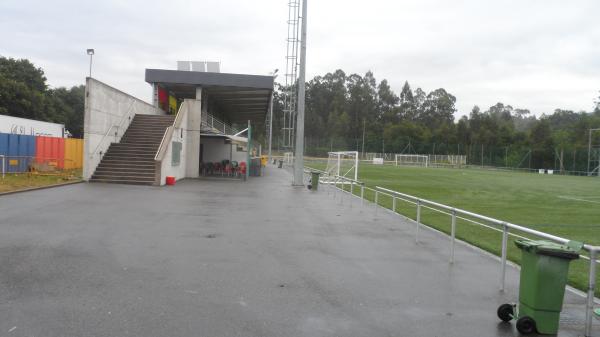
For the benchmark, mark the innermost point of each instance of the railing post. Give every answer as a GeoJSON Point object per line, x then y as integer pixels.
{"type": "Point", "coordinates": [362, 194]}
{"type": "Point", "coordinates": [351, 192]}
{"type": "Point", "coordinates": [376, 201]}
{"type": "Point", "coordinates": [3, 165]}
{"type": "Point", "coordinates": [334, 187]}
{"type": "Point", "coordinates": [394, 204]}
{"type": "Point", "coordinates": [504, 254]}
{"type": "Point", "coordinates": [342, 192]}
{"type": "Point", "coordinates": [418, 220]}
{"type": "Point", "coordinates": [453, 235]}
{"type": "Point", "coordinates": [589, 311]}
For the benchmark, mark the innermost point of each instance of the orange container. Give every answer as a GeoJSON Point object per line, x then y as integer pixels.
{"type": "Point", "coordinates": [170, 180]}
{"type": "Point", "coordinates": [50, 150]}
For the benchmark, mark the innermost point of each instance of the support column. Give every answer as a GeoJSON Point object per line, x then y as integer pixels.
{"type": "Point", "coordinates": [192, 167]}
{"type": "Point", "coordinates": [299, 148]}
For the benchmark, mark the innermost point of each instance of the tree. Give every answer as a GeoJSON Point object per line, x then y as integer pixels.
{"type": "Point", "coordinates": [24, 93]}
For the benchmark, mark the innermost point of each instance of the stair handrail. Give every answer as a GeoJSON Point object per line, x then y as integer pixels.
{"type": "Point", "coordinates": [217, 124]}
{"type": "Point", "coordinates": [118, 126]}
{"type": "Point", "coordinates": [162, 148]}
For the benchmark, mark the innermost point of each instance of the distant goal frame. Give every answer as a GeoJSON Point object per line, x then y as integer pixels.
{"type": "Point", "coordinates": [424, 163]}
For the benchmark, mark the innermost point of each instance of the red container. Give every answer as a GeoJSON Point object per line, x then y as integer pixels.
{"type": "Point", "coordinates": [50, 150]}
{"type": "Point", "coordinates": [170, 180]}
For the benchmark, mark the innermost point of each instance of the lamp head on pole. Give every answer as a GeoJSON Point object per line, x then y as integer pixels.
{"type": "Point", "coordinates": [90, 51]}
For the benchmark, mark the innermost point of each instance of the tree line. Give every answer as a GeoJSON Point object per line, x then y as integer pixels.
{"type": "Point", "coordinates": [25, 93]}
{"type": "Point", "coordinates": [354, 112]}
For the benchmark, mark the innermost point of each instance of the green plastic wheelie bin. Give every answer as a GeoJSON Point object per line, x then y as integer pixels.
{"type": "Point", "coordinates": [544, 271]}
{"type": "Point", "coordinates": [314, 180]}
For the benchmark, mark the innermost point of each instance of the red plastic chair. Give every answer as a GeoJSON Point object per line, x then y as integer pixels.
{"type": "Point", "coordinates": [242, 167]}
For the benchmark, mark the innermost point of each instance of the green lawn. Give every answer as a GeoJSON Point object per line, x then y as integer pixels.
{"type": "Point", "coordinates": [15, 182]}
{"type": "Point", "coordinates": [566, 206]}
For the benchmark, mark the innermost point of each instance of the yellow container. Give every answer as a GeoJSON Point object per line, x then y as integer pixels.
{"type": "Point", "coordinates": [263, 160]}
{"type": "Point", "coordinates": [73, 153]}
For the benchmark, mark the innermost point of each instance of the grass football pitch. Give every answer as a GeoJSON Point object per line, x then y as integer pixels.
{"type": "Point", "coordinates": [567, 206]}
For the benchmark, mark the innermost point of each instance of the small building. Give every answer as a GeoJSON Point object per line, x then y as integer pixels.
{"type": "Point", "coordinates": [195, 124]}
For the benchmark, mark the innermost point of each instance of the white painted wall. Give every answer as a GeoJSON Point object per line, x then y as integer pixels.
{"type": "Point", "coordinates": [215, 150]}
{"type": "Point", "coordinates": [188, 133]}
{"type": "Point", "coordinates": [24, 126]}
{"type": "Point", "coordinates": [107, 110]}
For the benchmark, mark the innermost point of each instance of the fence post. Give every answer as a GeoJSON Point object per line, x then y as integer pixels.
{"type": "Point", "coordinates": [342, 193]}
{"type": "Point", "coordinates": [418, 220]}
{"type": "Point", "coordinates": [351, 192]}
{"type": "Point", "coordinates": [394, 204]}
{"type": "Point", "coordinates": [376, 201]}
{"type": "Point", "coordinates": [453, 235]}
{"type": "Point", "coordinates": [589, 311]}
{"type": "Point", "coordinates": [335, 187]}
{"type": "Point", "coordinates": [3, 165]}
{"type": "Point", "coordinates": [504, 254]}
{"type": "Point", "coordinates": [362, 194]}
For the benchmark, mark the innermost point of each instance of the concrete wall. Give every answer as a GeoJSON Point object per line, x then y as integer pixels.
{"type": "Point", "coordinates": [107, 110]}
{"type": "Point", "coordinates": [215, 150]}
{"type": "Point", "coordinates": [187, 133]}
{"type": "Point", "coordinates": [239, 156]}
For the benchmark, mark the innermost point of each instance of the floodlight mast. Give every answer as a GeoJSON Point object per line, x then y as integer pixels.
{"type": "Point", "coordinates": [299, 148]}
{"type": "Point", "coordinates": [274, 74]}
{"type": "Point", "coordinates": [91, 53]}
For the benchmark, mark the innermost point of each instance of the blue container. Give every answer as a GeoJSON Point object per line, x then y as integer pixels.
{"type": "Point", "coordinates": [19, 151]}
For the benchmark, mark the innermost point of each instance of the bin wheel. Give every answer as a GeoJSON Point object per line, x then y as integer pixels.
{"type": "Point", "coordinates": [506, 312]}
{"type": "Point", "coordinates": [526, 325]}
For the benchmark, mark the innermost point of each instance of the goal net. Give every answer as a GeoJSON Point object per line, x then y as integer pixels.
{"type": "Point", "coordinates": [412, 160]}
{"type": "Point", "coordinates": [343, 164]}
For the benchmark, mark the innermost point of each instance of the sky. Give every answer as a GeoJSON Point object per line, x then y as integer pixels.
{"type": "Point", "coordinates": [535, 54]}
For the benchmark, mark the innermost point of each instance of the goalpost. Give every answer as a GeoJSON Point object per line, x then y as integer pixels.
{"type": "Point", "coordinates": [412, 160]}
{"type": "Point", "coordinates": [343, 164]}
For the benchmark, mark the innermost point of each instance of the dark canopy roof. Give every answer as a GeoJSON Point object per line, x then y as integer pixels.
{"type": "Point", "coordinates": [241, 97]}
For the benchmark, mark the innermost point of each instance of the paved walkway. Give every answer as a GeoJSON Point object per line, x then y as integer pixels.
{"type": "Point", "coordinates": [227, 258]}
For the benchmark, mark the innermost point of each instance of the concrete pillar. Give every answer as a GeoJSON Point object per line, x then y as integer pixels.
{"type": "Point", "coordinates": [192, 169]}
{"type": "Point", "coordinates": [155, 95]}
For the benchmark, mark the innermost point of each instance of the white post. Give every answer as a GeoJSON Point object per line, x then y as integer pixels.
{"type": "Point", "coordinates": [589, 311]}
{"type": "Point", "coordinates": [504, 254]}
{"type": "Point", "coordinates": [376, 201]}
{"type": "Point", "coordinates": [453, 235]}
{"type": "Point", "coordinates": [418, 220]}
{"type": "Point", "coordinates": [362, 195]}
{"type": "Point", "coordinates": [394, 204]}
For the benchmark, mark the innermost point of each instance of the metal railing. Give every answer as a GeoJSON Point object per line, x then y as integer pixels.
{"type": "Point", "coordinates": [346, 186]}
{"type": "Point", "coordinates": [216, 124]}
{"type": "Point", "coordinates": [118, 127]}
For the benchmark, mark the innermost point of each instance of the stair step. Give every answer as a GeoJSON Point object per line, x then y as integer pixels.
{"type": "Point", "coordinates": [134, 177]}
{"type": "Point", "coordinates": [126, 182]}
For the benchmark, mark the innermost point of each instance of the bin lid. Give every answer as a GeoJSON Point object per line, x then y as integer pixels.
{"type": "Point", "coordinates": [549, 248]}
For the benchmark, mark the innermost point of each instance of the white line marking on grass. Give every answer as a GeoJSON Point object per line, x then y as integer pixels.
{"type": "Point", "coordinates": [578, 199]}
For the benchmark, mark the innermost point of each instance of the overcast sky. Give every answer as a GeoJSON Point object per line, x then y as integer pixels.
{"type": "Point", "coordinates": [539, 55]}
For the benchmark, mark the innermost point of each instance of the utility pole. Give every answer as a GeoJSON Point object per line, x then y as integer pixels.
{"type": "Point", "coordinates": [299, 149]}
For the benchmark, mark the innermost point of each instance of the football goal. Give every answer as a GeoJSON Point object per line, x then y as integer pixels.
{"type": "Point", "coordinates": [412, 160]}
{"type": "Point", "coordinates": [343, 164]}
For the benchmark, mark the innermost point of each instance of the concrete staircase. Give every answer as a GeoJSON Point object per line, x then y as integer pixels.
{"type": "Point", "coordinates": [132, 160]}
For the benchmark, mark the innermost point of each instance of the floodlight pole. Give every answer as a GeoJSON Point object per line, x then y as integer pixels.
{"type": "Point", "coordinates": [299, 149]}
{"type": "Point", "coordinates": [271, 114]}
{"type": "Point", "coordinates": [590, 153]}
{"type": "Point", "coordinates": [90, 52]}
